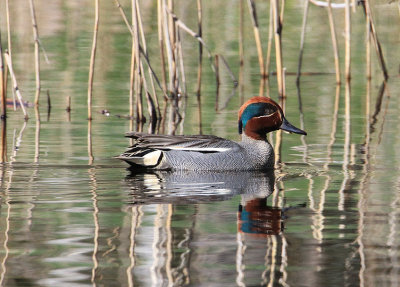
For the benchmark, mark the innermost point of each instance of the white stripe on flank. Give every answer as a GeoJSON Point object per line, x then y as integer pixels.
{"type": "Point", "coordinates": [205, 149]}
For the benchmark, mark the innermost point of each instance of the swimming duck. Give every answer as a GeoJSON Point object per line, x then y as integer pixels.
{"type": "Point", "coordinates": [257, 117]}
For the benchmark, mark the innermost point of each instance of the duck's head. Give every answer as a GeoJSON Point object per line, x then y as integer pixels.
{"type": "Point", "coordinates": [260, 115]}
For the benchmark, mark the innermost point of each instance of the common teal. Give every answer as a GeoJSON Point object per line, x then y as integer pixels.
{"type": "Point", "coordinates": [257, 117]}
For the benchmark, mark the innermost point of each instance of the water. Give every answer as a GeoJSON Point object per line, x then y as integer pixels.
{"type": "Point", "coordinates": [327, 216]}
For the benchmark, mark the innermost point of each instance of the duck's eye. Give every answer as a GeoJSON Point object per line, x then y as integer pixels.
{"type": "Point", "coordinates": [269, 109]}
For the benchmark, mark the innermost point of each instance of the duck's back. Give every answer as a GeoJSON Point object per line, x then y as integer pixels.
{"type": "Point", "coordinates": [197, 153]}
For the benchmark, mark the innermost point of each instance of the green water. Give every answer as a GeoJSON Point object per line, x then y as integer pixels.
{"type": "Point", "coordinates": [328, 216]}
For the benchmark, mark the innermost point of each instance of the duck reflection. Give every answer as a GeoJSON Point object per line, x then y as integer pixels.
{"type": "Point", "coordinates": [186, 230]}
{"type": "Point", "coordinates": [254, 217]}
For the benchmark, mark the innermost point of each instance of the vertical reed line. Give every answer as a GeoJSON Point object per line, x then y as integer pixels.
{"type": "Point", "coordinates": [216, 65]}
{"type": "Point", "coordinates": [241, 53]}
{"type": "Point", "coordinates": [2, 85]}
{"type": "Point", "coordinates": [269, 45]}
{"type": "Point", "coordinates": [160, 22]}
{"type": "Point", "coordinates": [138, 79]}
{"type": "Point", "coordinates": [92, 59]}
{"type": "Point", "coordinates": [200, 34]}
{"type": "Point", "coordinates": [9, 50]}
{"type": "Point", "coordinates": [153, 102]}
{"type": "Point", "coordinates": [16, 89]}
{"type": "Point", "coordinates": [48, 106]}
{"type": "Point", "coordinates": [368, 47]}
{"type": "Point", "coordinates": [37, 135]}
{"type": "Point", "coordinates": [375, 39]}
{"type": "Point", "coordinates": [3, 153]}
{"type": "Point", "coordinates": [90, 143]}
{"type": "Point", "coordinates": [93, 191]}
{"type": "Point", "coordinates": [37, 58]}
{"type": "Point", "coordinates": [199, 70]}
{"type": "Point", "coordinates": [169, 48]}
{"type": "Point", "coordinates": [347, 40]}
{"type": "Point", "coordinates": [278, 46]}
{"type": "Point", "coordinates": [181, 64]}
{"type": "Point", "coordinates": [132, 81]}
{"type": "Point", "coordinates": [303, 32]}
{"type": "Point", "coordinates": [334, 42]}
{"type": "Point", "coordinates": [253, 13]}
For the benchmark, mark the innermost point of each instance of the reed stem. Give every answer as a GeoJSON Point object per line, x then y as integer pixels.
{"type": "Point", "coordinates": [269, 45]}
{"type": "Point", "coordinates": [200, 33]}
{"type": "Point", "coordinates": [278, 46]}
{"type": "Point", "coordinates": [2, 85]}
{"type": "Point", "coordinates": [368, 48]}
{"type": "Point", "coordinates": [377, 44]}
{"type": "Point", "coordinates": [253, 13]}
{"type": "Point", "coordinates": [303, 32]}
{"type": "Point", "coordinates": [37, 135]}
{"type": "Point", "coordinates": [16, 89]}
{"type": "Point", "coordinates": [161, 44]}
{"type": "Point", "coordinates": [217, 80]}
{"type": "Point", "coordinates": [154, 101]}
{"type": "Point", "coordinates": [92, 59]}
{"type": "Point", "coordinates": [347, 40]}
{"type": "Point", "coordinates": [37, 56]}
{"type": "Point", "coordinates": [334, 42]}
{"type": "Point", "coordinates": [138, 78]}
{"type": "Point", "coordinates": [9, 51]}
{"type": "Point", "coordinates": [3, 147]}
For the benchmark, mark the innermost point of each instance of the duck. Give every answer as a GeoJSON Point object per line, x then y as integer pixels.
{"type": "Point", "coordinates": [257, 117]}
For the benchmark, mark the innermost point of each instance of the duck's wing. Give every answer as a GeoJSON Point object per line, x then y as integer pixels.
{"type": "Point", "coordinates": [148, 150]}
{"type": "Point", "coordinates": [196, 143]}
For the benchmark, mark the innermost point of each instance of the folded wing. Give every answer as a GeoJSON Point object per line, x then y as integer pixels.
{"type": "Point", "coordinates": [148, 149]}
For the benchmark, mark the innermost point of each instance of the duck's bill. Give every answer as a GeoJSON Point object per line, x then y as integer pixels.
{"type": "Point", "coordinates": [286, 126]}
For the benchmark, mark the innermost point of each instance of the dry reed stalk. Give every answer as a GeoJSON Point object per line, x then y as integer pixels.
{"type": "Point", "coordinates": [200, 33]}
{"type": "Point", "coordinates": [143, 51]}
{"type": "Point", "coordinates": [92, 59]}
{"type": "Point", "coordinates": [90, 143]}
{"type": "Point", "coordinates": [269, 45]}
{"type": "Point", "coordinates": [68, 109]}
{"type": "Point", "coordinates": [241, 52]}
{"type": "Point", "coordinates": [253, 13]}
{"type": "Point", "coordinates": [368, 48]}
{"type": "Point", "coordinates": [161, 44]}
{"type": "Point", "coordinates": [182, 25]}
{"type": "Point", "coordinates": [3, 147]}
{"type": "Point", "coordinates": [278, 140]}
{"type": "Point", "coordinates": [37, 135]}
{"type": "Point", "coordinates": [170, 50]}
{"type": "Point", "coordinates": [16, 89]}
{"type": "Point", "coordinates": [347, 33]}
{"type": "Point", "coordinates": [2, 85]}
{"type": "Point", "coordinates": [37, 58]}
{"type": "Point", "coordinates": [181, 64]}
{"type": "Point", "coordinates": [278, 46]}
{"type": "Point", "coordinates": [150, 104]}
{"type": "Point", "coordinates": [9, 50]}
{"type": "Point", "coordinates": [334, 42]}
{"type": "Point", "coordinates": [217, 80]}
{"type": "Point", "coordinates": [377, 44]}
{"type": "Point", "coordinates": [228, 69]}
{"type": "Point", "coordinates": [48, 105]}
{"type": "Point", "coordinates": [132, 81]}
{"type": "Point", "coordinates": [138, 77]}
{"type": "Point", "coordinates": [154, 100]}
{"type": "Point", "coordinates": [303, 32]}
